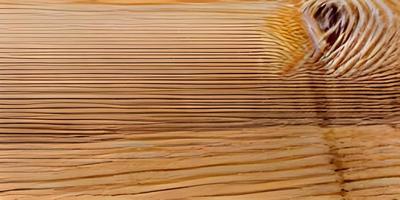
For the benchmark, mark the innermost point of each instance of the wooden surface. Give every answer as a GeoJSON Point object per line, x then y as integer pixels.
{"type": "Point", "coordinates": [256, 163]}
{"type": "Point", "coordinates": [229, 99]}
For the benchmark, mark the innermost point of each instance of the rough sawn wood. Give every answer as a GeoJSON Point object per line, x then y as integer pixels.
{"type": "Point", "coordinates": [213, 99]}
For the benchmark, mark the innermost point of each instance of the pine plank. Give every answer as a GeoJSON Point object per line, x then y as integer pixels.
{"type": "Point", "coordinates": [185, 99]}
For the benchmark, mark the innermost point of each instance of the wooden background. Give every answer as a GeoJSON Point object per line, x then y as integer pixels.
{"type": "Point", "coordinates": [175, 100]}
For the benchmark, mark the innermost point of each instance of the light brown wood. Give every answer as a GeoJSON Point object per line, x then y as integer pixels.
{"type": "Point", "coordinates": [181, 99]}
{"type": "Point", "coordinates": [258, 163]}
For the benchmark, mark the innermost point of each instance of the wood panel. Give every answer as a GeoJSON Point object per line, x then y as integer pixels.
{"type": "Point", "coordinates": [131, 99]}
{"type": "Point", "coordinates": [297, 162]}
{"type": "Point", "coordinates": [72, 67]}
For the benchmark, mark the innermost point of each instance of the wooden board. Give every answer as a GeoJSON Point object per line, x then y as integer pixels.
{"type": "Point", "coordinates": [258, 163]}
{"type": "Point", "coordinates": [229, 99]}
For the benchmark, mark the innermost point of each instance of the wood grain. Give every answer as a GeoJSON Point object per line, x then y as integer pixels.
{"type": "Point", "coordinates": [72, 67]}
{"type": "Point", "coordinates": [131, 99]}
{"type": "Point", "coordinates": [257, 163]}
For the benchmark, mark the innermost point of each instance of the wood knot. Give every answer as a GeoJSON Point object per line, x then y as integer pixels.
{"type": "Point", "coordinates": [327, 17]}
{"type": "Point", "coordinates": [354, 38]}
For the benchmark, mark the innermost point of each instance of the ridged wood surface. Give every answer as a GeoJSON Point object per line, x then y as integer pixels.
{"type": "Point", "coordinates": [300, 162]}
{"type": "Point", "coordinates": [129, 99]}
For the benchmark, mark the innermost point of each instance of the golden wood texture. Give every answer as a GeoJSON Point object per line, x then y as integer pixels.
{"type": "Point", "coordinates": [256, 163]}
{"type": "Point", "coordinates": [222, 99]}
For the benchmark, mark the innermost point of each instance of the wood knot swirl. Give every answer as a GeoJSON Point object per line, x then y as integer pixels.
{"type": "Point", "coordinates": [353, 38]}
